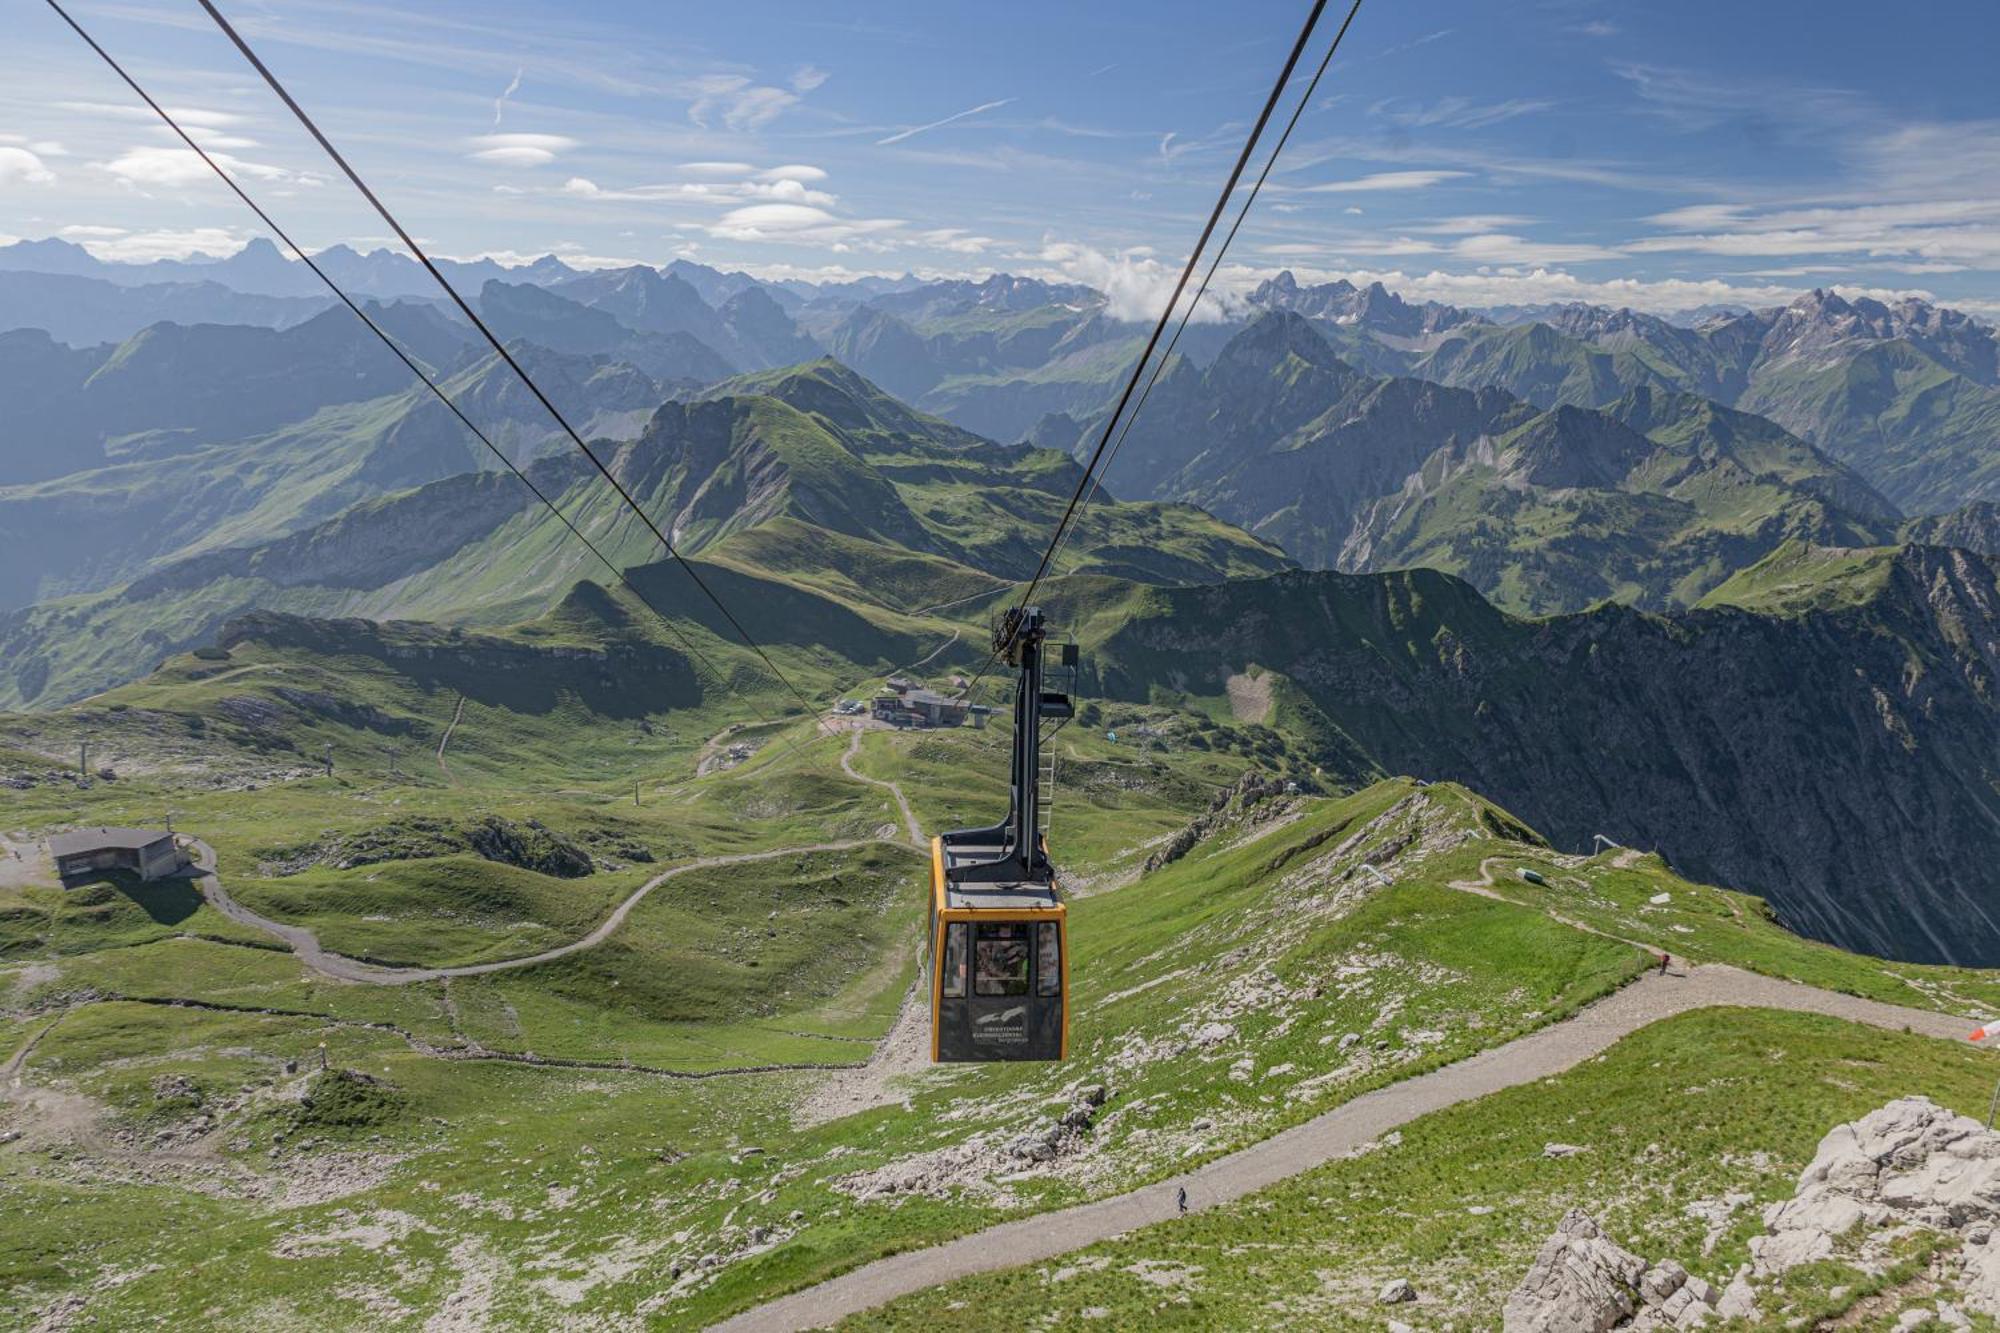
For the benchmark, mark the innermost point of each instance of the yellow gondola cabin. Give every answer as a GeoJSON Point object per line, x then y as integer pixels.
{"type": "Point", "coordinates": [998, 940]}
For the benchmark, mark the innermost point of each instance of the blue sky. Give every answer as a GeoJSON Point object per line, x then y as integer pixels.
{"type": "Point", "coordinates": [1661, 155]}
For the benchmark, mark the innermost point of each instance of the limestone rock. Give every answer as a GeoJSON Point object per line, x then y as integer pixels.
{"type": "Point", "coordinates": [1911, 1162]}
{"type": "Point", "coordinates": [1580, 1282]}
{"type": "Point", "coordinates": [1396, 1291]}
{"type": "Point", "coordinates": [1660, 1281]}
{"type": "Point", "coordinates": [1739, 1299]}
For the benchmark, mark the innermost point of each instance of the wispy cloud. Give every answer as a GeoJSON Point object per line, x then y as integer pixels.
{"type": "Point", "coordinates": [1470, 224]}
{"type": "Point", "coordinates": [500, 102]}
{"type": "Point", "coordinates": [915, 130]}
{"type": "Point", "coordinates": [738, 103]}
{"type": "Point", "coordinates": [1414, 43]}
{"type": "Point", "coordinates": [1386, 180]}
{"type": "Point", "coordinates": [1900, 235]}
{"type": "Point", "coordinates": [1455, 113]}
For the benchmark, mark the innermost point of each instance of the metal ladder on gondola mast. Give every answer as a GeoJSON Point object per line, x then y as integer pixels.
{"type": "Point", "coordinates": [1061, 676]}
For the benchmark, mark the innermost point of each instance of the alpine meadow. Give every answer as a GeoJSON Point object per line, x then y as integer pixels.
{"type": "Point", "coordinates": [1293, 666]}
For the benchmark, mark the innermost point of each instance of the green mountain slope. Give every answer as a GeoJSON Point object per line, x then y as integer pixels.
{"type": "Point", "coordinates": [1872, 695]}
{"type": "Point", "coordinates": [1906, 395]}
{"type": "Point", "coordinates": [877, 482]}
{"type": "Point", "coordinates": [94, 528]}
{"type": "Point", "coordinates": [1652, 499]}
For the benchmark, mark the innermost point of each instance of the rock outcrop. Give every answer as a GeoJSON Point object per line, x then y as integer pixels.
{"type": "Point", "coordinates": [1583, 1282]}
{"type": "Point", "coordinates": [1911, 1164]}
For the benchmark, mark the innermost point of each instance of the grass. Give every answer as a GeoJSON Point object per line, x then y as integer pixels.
{"type": "Point", "coordinates": [587, 1187]}
{"type": "Point", "coordinates": [1688, 1109]}
{"type": "Point", "coordinates": [440, 912]}
{"type": "Point", "coordinates": [114, 910]}
{"type": "Point", "coordinates": [1706, 923]}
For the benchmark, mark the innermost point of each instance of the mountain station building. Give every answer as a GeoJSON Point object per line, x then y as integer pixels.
{"type": "Point", "coordinates": [147, 853]}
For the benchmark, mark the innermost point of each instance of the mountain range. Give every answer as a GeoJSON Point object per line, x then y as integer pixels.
{"type": "Point", "coordinates": [1613, 570]}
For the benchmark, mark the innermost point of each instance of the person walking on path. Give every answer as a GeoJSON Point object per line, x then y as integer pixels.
{"type": "Point", "coordinates": [1180, 1199]}
{"type": "Point", "coordinates": [1665, 957]}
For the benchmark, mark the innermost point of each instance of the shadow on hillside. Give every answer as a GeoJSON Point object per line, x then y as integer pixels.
{"type": "Point", "coordinates": [167, 901]}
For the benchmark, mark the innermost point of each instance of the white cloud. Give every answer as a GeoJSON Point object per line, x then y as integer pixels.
{"type": "Point", "coordinates": [1500, 248]}
{"type": "Point", "coordinates": [793, 171]}
{"type": "Point", "coordinates": [1468, 224]}
{"type": "Point", "coordinates": [1136, 286]}
{"type": "Point", "coordinates": [193, 117]}
{"type": "Point", "coordinates": [1377, 247]}
{"type": "Point", "coordinates": [736, 101]}
{"type": "Point", "coordinates": [1542, 286]}
{"type": "Point", "coordinates": [799, 223]}
{"type": "Point", "coordinates": [19, 166]}
{"type": "Point", "coordinates": [768, 186]}
{"type": "Point", "coordinates": [914, 130]}
{"type": "Point", "coordinates": [142, 247]}
{"type": "Point", "coordinates": [81, 231]}
{"type": "Point", "coordinates": [1955, 231]}
{"type": "Point", "coordinates": [173, 167]}
{"type": "Point", "coordinates": [717, 168]}
{"type": "Point", "coordinates": [956, 239]}
{"type": "Point", "coordinates": [39, 147]}
{"type": "Point", "coordinates": [808, 77]}
{"type": "Point", "coordinates": [1387, 180]}
{"type": "Point", "coordinates": [520, 150]}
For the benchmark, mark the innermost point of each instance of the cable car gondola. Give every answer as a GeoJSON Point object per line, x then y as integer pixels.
{"type": "Point", "coordinates": [999, 933]}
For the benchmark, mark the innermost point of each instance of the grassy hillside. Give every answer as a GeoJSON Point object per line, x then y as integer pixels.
{"type": "Point", "coordinates": [797, 487]}
{"type": "Point", "coordinates": [1712, 1112]}
{"type": "Point", "coordinates": [1210, 996]}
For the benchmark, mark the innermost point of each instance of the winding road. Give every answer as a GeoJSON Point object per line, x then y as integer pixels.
{"type": "Point", "coordinates": [1538, 1055]}
{"type": "Point", "coordinates": [307, 947]}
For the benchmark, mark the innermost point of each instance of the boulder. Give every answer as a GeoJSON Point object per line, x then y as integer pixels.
{"type": "Point", "coordinates": [1580, 1282]}
{"type": "Point", "coordinates": [1739, 1299]}
{"type": "Point", "coordinates": [1660, 1281]}
{"type": "Point", "coordinates": [1396, 1291]}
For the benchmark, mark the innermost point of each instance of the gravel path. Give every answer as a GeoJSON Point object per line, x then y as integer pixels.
{"type": "Point", "coordinates": [315, 956]}
{"type": "Point", "coordinates": [310, 952]}
{"type": "Point", "coordinates": [902, 803]}
{"type": "Point", "coordinates": [444, 740]}
{"type": "Point", "coordinates": [1340, 1131]}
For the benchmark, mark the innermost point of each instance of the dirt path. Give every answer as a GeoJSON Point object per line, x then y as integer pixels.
{"type": "Point", "coordinates": [1340, 1131]}
{"type": "Point", "coordinates": [307, 946]}
{"type": "Point", "coordinates": [902, 803]}
{"type": "Point", "coordinates": [444, 740]}
{"type": "Point", "coordinates": [1486, 888]}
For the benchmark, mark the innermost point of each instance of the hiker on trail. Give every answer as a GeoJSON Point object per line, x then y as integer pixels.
{"type": "Point", "coordinates": [1180, 1198]}
{"type": "Point", "coordinates": [1664, 957]}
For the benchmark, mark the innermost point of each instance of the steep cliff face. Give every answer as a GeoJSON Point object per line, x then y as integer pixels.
{"type": "Point", "coordinates": [1841, 760]}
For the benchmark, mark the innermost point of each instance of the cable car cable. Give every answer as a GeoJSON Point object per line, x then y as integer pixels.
{"type": "Point", "coordinates": [1159, 326]}
{"type": "Point", "coordinates": [466, 309]}
{"type": "Point", "coordinates": [1160, 365]}
{"type": "Point", "coordinates": [695, 654]}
